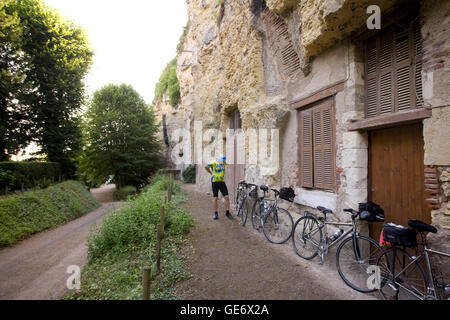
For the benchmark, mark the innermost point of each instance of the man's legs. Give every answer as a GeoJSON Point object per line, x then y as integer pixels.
{"type": "Point", "coordinates": [215, 190]}
{"type": "Point", "coordinates": [216, 186]}
{"type": "Point", "coordinates": [227, 202]}
{"type": "Point", "coordinates": [224, 191]}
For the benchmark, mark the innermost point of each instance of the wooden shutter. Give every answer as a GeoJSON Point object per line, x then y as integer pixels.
{"type": "Point", "coordinates": [323, 146]}
{"type": "Point", "coordinates": [316, 127]}
{"type": "Point", "coordinates": [306, 149]}
{"type": "Point", "coordinates": [393, 69]}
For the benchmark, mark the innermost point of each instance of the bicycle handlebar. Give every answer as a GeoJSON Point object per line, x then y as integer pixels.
{"type": "Point", "coordinates": [353, 212]}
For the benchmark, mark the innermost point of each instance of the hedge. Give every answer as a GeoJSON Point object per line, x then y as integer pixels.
{"type": "Point", "coordinates": [123, 193]}
{"type": "Point", "coordinates": [189, 174]}
{"type": "Point", "coordinates": [16, 175]}
{"type": "Point", "coordinates": [33, 211]}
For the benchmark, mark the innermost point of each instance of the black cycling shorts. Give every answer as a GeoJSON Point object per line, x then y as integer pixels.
{"type": "Point", "coordinates": [216, 186]}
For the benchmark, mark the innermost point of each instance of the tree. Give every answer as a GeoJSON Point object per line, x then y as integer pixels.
{"type": "Point", "coordinates": [120, 137]}
{"type": "Point", "coordinates": [12, 66]}
{"type": "Point", "coordinates": [58, 57]}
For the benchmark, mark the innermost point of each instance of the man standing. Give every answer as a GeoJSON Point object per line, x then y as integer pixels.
{"type": "Point", "coordinates": [217, 171]}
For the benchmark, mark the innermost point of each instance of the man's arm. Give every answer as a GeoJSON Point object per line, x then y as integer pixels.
{"type": "Point", "coordinates": [207, 168]}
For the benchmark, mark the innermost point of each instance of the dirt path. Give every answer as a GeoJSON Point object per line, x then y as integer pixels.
{"type": "Point", "coordinates": [228, 261]}
{"type": "Point", "coordinates": [36, 268]}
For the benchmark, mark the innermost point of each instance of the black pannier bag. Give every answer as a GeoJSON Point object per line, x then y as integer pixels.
{"type": "Point", "coordinates": [287, 194]}
{"type": "Point", "coordinates": [370, 211]}
{"type": "Point", "coordinates": [253, 193]}
{"type": "Point", "coordinates": [399, 235]}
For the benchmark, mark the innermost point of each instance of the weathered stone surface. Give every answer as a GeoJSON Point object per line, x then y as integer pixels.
{"type": "Point", "coordinates": [354, 158]}
{"type": "Point", "coordinates": [280, 6]}
{"type": "Point", "coordinates": [355, 140]}
{"type": "Point", "coordinates": [445, 176]}
{"type": "Point", "coordinates": [436, 133]}
{"type": "Point", "coordinates": [326, 22]}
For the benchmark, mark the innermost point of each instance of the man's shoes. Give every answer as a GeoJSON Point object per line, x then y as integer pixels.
{"type": "Point", "coordinates": [229, 216]}
{"type": "Point", "coordinates": [216, 216]}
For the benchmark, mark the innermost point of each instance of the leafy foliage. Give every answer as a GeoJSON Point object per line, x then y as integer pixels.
{"type": "Point", "coordinates": [120, 138]}
{"type": "Point", "coordinates": [126, 243]}
{"type": "Point", "coordinates": [49, 58]}
{"type": "Point", "coordinates": [168, 81]}
{"type": "Point", "coordinates": [124, 193]}
{"type": "Point", "coordinates": [189, 174]}
{"type": "Point", "coordinates": [12, 66]}
{"type": "Point", "coordinates": [182, 38]}
{"type": "Point", "coordinates": [30, 174]}
{"type": "Point", "coordinates": [30, 212]}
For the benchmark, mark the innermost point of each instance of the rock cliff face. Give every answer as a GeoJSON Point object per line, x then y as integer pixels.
{"type": "Point", "coordinates": [249, 54]}
{"type": "Point", "coordinates": [264, 57]}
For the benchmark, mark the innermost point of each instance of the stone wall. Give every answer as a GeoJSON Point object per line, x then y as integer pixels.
{"type": "Point", "coordinates": [436, 80]}
{"type": "Point", "coordinates": [260, 59]}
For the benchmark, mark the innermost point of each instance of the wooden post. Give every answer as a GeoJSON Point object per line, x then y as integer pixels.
{"type": "Point", "coordinates": [163, 218]}
{"type": "Point", "coordinates": [158, 248]}
{"type": "Point", "coordinates": [23, 187]}
{"type": "Point", "coordinates": [169, 192]}
{"type": "Point", "coordinates": [146, 284]}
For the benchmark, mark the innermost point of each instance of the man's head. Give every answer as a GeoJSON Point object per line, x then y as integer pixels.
{"type": "Point", "coordinates": [221, 159]}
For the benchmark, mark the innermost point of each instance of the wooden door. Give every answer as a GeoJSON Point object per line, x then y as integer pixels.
{"type": "Point", "coordinates": [235, 171]}
{"type": "Point", "coordinates": [396, 175]}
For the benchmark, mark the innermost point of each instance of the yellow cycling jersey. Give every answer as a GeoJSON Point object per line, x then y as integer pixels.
{"type": "Point", "coordinates": [218, 171]}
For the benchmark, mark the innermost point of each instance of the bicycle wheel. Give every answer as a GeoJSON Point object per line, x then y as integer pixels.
{"type": "Point", "coordinates": [402, 278]}
{"type": "Point", "coordinates": [278, 225]}
{"type": "Point", "coordinates": [244, 213]}
{"type": "Point", "coordinates": [256, 214]}
{"type": "Point", "coordinates": [307, 237]}
{"type": "Point", "coordinates": [353, 259]}
{"type": "Point", "coordinates": [238, 202]}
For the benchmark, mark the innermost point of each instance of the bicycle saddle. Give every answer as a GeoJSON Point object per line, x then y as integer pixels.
{"type": "Point", "coordinates": [264, 188]}
{"type": "Point", "coordinates": [421, 226]}
{"type": "Point", "coordinates": [324, 210]}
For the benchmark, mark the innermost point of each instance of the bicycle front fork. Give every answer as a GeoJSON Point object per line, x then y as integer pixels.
{"type": "Point", "coordinates": [323, 251]}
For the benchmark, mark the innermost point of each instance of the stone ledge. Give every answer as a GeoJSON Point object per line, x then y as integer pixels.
{"type": "Point", "coordinates": [315, 198]}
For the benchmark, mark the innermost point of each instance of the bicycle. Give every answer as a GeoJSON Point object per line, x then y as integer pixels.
{"type": "Point", "coordinates": [276, 222]}
{"type": "Point", "coordinates": [353, 256]}
{"type": "Point", "coordinates": [402, 275]}
{"type": "Point", "coordinates": [241, 200]}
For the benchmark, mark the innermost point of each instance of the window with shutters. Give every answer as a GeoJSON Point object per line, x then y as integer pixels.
{"type": "Point", "coordinates": [316, 152]}
{"type": "Point", "coordinates": [393, 69]}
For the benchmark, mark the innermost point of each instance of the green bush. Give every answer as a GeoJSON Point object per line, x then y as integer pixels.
{"type": "Point", "coordinates": [33, 211]}
{"type": "Point", "coordinates": [189, 174]}
{"type": "Point", "coordinates": [124, 193]}
{"type": "Point", "coordinates": [168, 81]}
{"type": "Point", "coordinates": [29, 174]}
{"type": "Point", "coordinates": [126, 243]}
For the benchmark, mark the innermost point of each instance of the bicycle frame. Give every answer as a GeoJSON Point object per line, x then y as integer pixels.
{"type": "Point", "coordinates": [325, 245]}
{"type": "Point", "coordinates": [416, 259]}
{"type": "Point", "coordinates": [271, 208]}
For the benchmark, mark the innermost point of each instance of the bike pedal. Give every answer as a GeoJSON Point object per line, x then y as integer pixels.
{"type": "Point", "coordinates": [447, 290]}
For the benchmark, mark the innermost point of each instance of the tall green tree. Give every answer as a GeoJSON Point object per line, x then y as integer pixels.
{"type": "Point", "coordinates": [12, 75]}
{"type": "Point", "coordinates": [58, 57]}
{"type": "Point", "coordinates": [120, 137]}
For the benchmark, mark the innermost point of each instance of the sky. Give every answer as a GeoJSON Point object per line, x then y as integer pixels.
{"type": "Point", "coordinates": [133, 40]}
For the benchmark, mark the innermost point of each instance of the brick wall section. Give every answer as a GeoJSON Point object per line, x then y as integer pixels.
{"type": "Point", "coordinates": [432, 189]}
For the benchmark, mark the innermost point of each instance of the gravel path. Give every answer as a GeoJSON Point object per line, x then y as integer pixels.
{"type": "Point", "coordinates": [36, 267]}
{"type": "Point", "coordinates": [228, 261]}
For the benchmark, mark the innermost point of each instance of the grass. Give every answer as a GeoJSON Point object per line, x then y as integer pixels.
{"type": "Point", "coordinates": [33, 211]}
{"type": "Point", "coordinates": [126, 243]}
